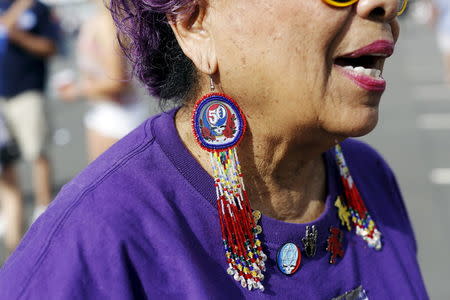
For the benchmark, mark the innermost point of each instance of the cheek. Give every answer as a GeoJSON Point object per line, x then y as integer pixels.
{"type": "Point", "coordinates": [277, 53]}
{"type": "Point", "coordinates": [288, 41]}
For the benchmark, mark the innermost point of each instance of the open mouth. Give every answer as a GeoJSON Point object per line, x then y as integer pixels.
{"type": "Point", "coordinates": [369, 65]}
{"type": "Point", "coordinates": [364, 66]}
{"type": "Point", "coordinates": [368, 60]}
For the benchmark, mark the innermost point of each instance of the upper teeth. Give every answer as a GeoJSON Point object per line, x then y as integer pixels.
{"type": "Point", "coordinates": [361, 70]}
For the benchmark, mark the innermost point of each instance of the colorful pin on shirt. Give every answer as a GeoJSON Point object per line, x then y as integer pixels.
{"type": "Point", "coordinates": [310, 241]}
{"type": "Point", "coordinates": [288, 258]}
{"type": "Point", "coordinates": [335, 244]}
{"type": "Point", "coordinates": [343, 213]}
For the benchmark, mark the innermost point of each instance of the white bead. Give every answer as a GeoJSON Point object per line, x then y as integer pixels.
{"type": "Point", "coordinates": [243, 283]}
{"type": "Point", "coordinates": [263, 267]}
{"type": "Point", "coordinates": [236, 276]}
{"type": "Point", "coordinates": [261, 287]}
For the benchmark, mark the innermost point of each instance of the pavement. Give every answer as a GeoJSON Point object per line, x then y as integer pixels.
{"type": "Point", "coordinates": [413, 135]}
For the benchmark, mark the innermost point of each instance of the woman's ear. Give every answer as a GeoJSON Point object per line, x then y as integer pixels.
{"type": "Point", "coordinates": [194, 36]}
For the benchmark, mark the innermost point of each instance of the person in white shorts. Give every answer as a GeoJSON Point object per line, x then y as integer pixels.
{"type": "Point", "coordinates": [29, 35]}
{"type": "Point", "coordinates": [114, 106]}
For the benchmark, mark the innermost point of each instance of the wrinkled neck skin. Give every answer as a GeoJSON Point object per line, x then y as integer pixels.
{"type": "Point", "coordinates": [285, 176]}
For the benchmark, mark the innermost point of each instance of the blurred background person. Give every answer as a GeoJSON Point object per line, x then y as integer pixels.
{"type": "Point", "coordinates": [8, 155]}
{"type": "Point", "coordinates": [436, 14]}
{"type": "Point", "coordinates": [29, 35]}
{"type": "Point", "coordinates": [115, 107]}
{"type": "Point", "coordinates": [440, 21]}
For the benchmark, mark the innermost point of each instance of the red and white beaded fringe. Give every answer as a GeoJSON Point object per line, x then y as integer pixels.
{"type": "Point", "coordinates": [243, 248]}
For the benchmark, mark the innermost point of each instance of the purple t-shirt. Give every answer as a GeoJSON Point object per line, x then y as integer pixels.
{"type": "Point", "coordinates": [141, 222]}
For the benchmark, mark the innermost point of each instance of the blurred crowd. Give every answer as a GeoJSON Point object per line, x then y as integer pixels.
{"type": "Point", "coordinates": [31, 33]}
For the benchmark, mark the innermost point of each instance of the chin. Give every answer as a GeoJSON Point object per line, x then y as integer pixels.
{"type": "Point", "coordinates": [355, 124]}
{"type": "Point", "coordinates": [363, 123]}
{"type": "Point", "coordinates": [362, 129]}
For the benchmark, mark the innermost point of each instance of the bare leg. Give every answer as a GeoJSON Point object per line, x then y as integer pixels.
{"type": "Point", "coordinates": [447, 67]}
{"type": "Point", "coordinates": [97, 143]}
{"type": "Point", "coordinates": [12, 204]}
{"type": "Point", "coordinates": [41, 178]}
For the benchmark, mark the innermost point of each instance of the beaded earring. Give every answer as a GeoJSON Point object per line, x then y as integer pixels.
{"type": "Point", "coordinates": [219, 125]}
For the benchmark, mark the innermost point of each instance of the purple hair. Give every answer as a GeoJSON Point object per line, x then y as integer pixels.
{"type": "Point", "coordinates": [150, 44]}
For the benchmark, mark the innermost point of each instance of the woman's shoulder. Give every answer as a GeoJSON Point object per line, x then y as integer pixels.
{"type": "Point", "coordinates": [113, 160]}
{"type": "Point", "coordinates": [367, 165]}
{"type": "Point", "coordinates": [92, 216]}
{"type": "Point", "coordinates": [121, 179]}
{"type": "Point", "coordinates": [372, 174]}
{"type": "Point", "coordinates": [364, 157]}
{"type": "Point", "coordinates": [377, 184]}
{"type": "Point", "coordinates": [359, 148]}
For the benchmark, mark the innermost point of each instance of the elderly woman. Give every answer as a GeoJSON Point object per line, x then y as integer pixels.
{"type": "Point", "coordinates": [251, 188]}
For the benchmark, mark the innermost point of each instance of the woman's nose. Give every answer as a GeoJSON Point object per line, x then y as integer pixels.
{"type": "Point", "coordinates": [380, 10]}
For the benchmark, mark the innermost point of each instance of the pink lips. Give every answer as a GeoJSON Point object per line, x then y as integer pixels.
{"type": "Point", "coordinates": [381, 47]}
{"type": "Point", "coordinates": [364, 81]}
